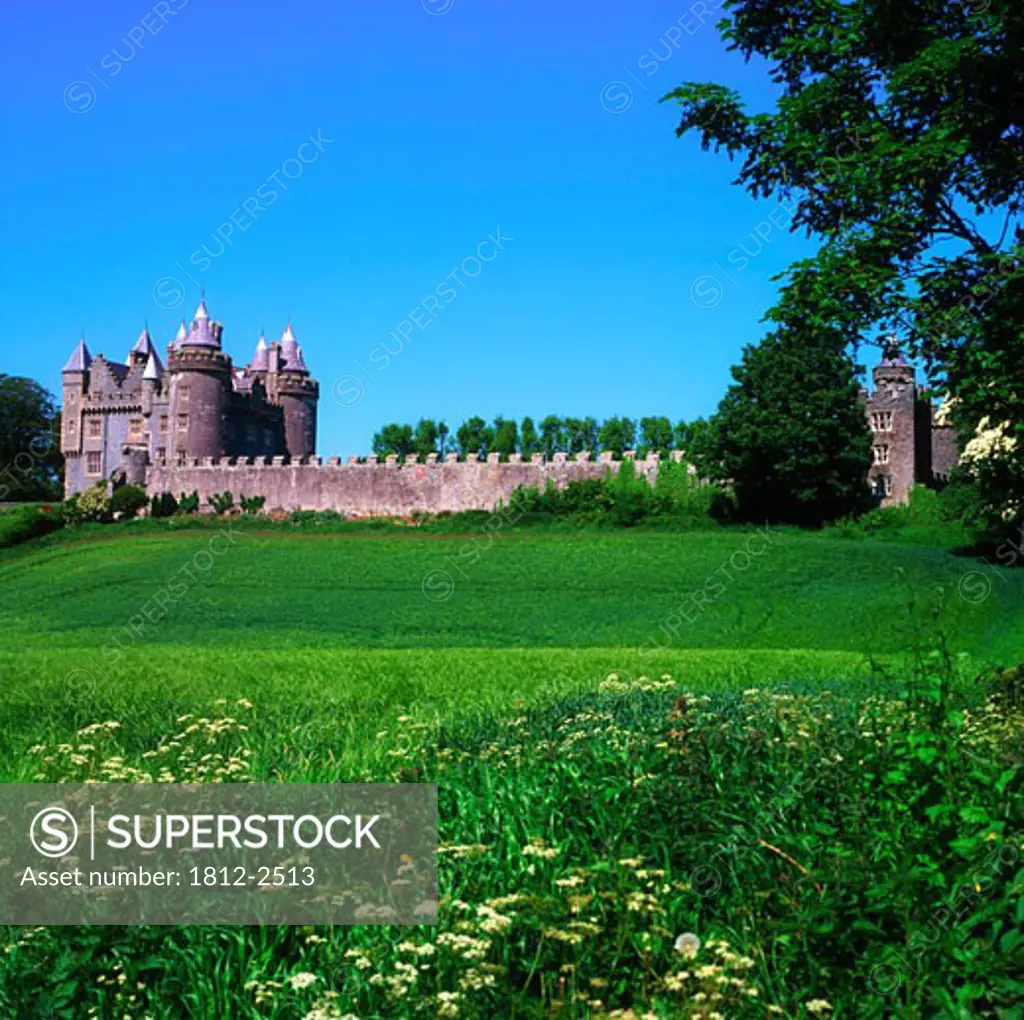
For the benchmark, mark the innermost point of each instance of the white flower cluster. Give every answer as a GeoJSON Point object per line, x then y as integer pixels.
{"type": "Point", "coordinates": [989, 442]}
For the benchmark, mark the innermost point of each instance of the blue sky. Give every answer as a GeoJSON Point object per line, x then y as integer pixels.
{"type": "Point", "coordinates": [395, 138]}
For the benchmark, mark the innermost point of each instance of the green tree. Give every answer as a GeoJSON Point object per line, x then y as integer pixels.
{"type": "Point", "coordinates": [529, 441]}
{"type": "Point", "coordinates": [506, 436]}
{"type": "Point", "coordinates": [552, 436]}
{"type": "Point", "coordinates": [426, 438]}
{"type": "Point", "coordinates": [617, 434]}
{"type": "Point", "coordinates": [572, 429]}
{"type": "Point", "coordinates": [586, 438]}
{"type": "Point", "coordinates": [791, 435]}
{"type": "Point", "coordinates": [681, 432]}
{"type": "Point", "coordinates": [442, 439]}
{"type": "Point", "coordinates": [692, 438]}
{"type": "Point", "coordinates": [396, 439]}
{"type": "Point", "coordinates": [896, 140]}
{"type": "Point", "coordinates": [655, 436]}
{"type": "Point", "coordinates": [31, 465]}
{"type": "Point", "coordinates": [475, 439]}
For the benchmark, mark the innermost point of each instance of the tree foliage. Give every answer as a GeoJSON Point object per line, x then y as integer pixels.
{"type": "Point", "coordinates": [476, 438]}
{"type": "Point", "coordinates": [897, 139]}
{"type": "Point", "coordinates": [31, 466]}
{"type": "Point", "coordinates": [791, 434]}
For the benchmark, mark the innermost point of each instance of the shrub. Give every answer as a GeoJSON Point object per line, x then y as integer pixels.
{"type": "Point", "coordinates": [304, 517]}
{"type": "Point", "coordinates": [222, 502]}
{"type": "Point", "coordinates": [26, 522]}
{"type": "Point", "coordinates": [189, 504]}
{"type": "Point", "coordinates": [251, 504]}
{"type": "Point", "coordinates": [626, 499]}
{"type": "Point", "coordinates": [92, 504]}
{"type": "Point", "coordinates": [128, 500]}
{"type": "Point", "coordinates": [163, 504]}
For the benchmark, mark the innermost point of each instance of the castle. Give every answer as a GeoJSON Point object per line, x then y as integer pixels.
{"type": "Point", "coordinates": [126, 417]}
{"type": "Point", "coordinates": [199, 424]}
{"type": "Point", "coordinates": [910, 446]}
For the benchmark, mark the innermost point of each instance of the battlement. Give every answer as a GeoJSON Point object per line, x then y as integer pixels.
{"type": "Point", "coordinates": [290, 383]}
{"type": "Point", "coordinates": [186, 359]}
{"type": "Point", "coordinates": [371, 488]}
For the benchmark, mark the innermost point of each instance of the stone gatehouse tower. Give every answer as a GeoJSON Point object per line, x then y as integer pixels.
{"type": "Point", "coordinates": [910, 447]}
{"type": "Point", "coordinates": [127, 416]}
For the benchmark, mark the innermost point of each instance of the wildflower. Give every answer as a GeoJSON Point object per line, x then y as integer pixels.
{"type": "Point", "coordinates": [688, 944]}
{"type": "Point", "coordinates": [818, 1006]}
{"type": "Point", "coordinates": [302, 980]}
{"type": "Point", "coordinates": [536, 848]}
{"type": "Point", "coordinates": [447, 1004]}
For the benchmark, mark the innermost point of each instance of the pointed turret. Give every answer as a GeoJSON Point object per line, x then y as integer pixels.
{"type": "Point", "coordinates": [201, 334]}
{"type": "Point", "coordinates": [144, 345]}
{"type": "Point", "coordinates": [290, 351]}
{"type": "Point", "coordinates": [154, 370]}
{"type": "Point", "coordinates": [80, 359]}
{"type": "Point", "coordinates": [181, 335]}
{"type": "Point", "coordinates": [892, 355]}
{"type": "Point", "coordinates": [260, 359]}
{"type": "Point", "coordinates": [297, 393]}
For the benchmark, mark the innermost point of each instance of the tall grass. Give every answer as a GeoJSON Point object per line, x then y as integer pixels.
{"type": "Point", "coordinates": [825, 851]}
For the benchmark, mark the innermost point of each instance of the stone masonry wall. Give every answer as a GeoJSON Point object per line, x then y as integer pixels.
{"type": "Point", "coordinates": [382, 488]}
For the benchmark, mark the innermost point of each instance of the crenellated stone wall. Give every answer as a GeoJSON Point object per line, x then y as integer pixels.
{"type": "Point", "coordinates": [387, 488]}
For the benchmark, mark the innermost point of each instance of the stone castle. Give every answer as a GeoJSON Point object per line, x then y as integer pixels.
{"type": "Point", "coordinates": [144, 414]}
{"type": "Point", "coordinates": [910, 446]}
{"type": "Point", "coordinates": [197, 423]}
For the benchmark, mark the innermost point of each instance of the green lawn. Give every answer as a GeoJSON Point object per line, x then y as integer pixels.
{"type": "Point", "coordinates": [590, 590]}
{"type": "Point", "coordinates": [119, 621]}
{"type": "Point", "coordinates": [500, 693]}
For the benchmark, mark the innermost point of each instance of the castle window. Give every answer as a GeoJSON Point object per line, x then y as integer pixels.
{"type": "Point", "coordinates": [163, 424]}
{"type": "Point", "coordinates": [93, 462]}
{"type": "Point", "coordinates": [70, 426]}
{"type": "Point", "coordinates": [888, 485]}
{"type": "Point", "coordinates": [134, 429]}
{"type": "Point", "coordinates": [183, 394]}
{"type": "Point", "coordinates": [161, 454]}
{"type": "Point", "coordinates": [182, 421]}
{"type": "Point", "coordinates": [181, 458]}
{"type": "Point", "coordinates": [881, 454]}
{"type": "Point", "coordinates": [881, 421]}
{"type": "Point", "coordinates": [95, 428]}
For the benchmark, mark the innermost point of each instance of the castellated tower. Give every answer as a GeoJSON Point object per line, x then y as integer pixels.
{"type": "Point", "coordinates": [200, 384]}
{"type": "Point", "coordinates": [121, 418]}
{"type": "Point", "coordinates": [290, 385]}
{"type": "Point", "coordinates": [895, 419]}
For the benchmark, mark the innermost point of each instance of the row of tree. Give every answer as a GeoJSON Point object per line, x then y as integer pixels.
{"type": "Point", "coordinates": [477, 438]}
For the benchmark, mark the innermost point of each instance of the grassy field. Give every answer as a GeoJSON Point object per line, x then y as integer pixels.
{"type": "Point", "coordinates": [570, 694]}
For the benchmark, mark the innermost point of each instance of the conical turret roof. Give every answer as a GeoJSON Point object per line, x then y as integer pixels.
{"type": "Point", "coordinates": [80, 359]}
{"type": "Point", "coordinates": [144, 345]}
{"type": "Point", "coordinates": [261, 359]}
{"type": "Point", "coordinates": [154, 370]}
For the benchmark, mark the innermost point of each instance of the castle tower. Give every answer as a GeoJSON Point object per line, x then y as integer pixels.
{"type": "Point", "coordinates": [75, 384]}
{"type": "Point", "coordinates": [892, 411]}
{"type": "Point", "coordinates": [297, 393]}
{"type": "Point", "coordinates": [151, 379]}
{"type": "Point", "coordinates": [200, 382]}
